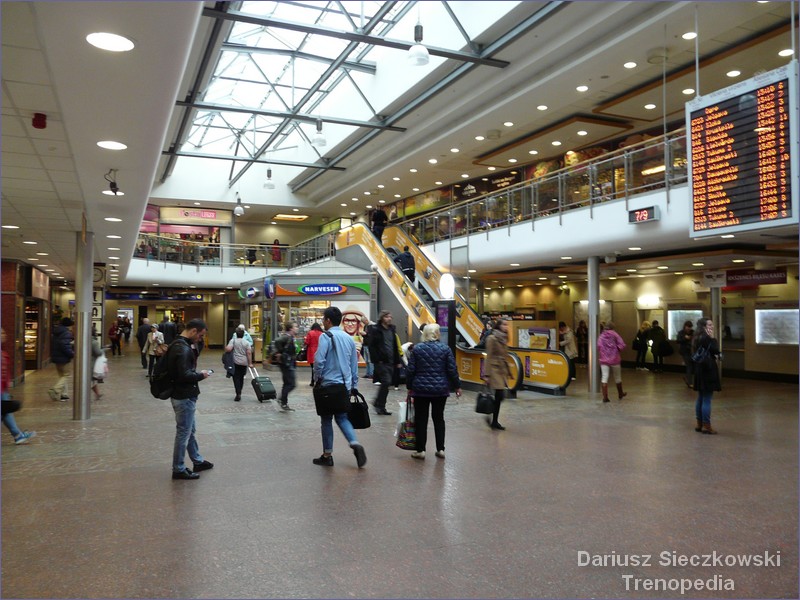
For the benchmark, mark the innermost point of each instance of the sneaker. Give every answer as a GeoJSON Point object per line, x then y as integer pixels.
{"type": "Point", "coordinates": [187, 474]}
{"type": "Point", "coordinates": [376, 383]}
{"type": "Point", "coordinates": [361, 456]}
{"type": "Point", "coordinates": [203, 466]}
{"type": "Point", "coordinates": [23, 437]}
{"type": "Point", "coordinates": [325, 461]}
{"type": "Point", "coordinates": [440, 454]}
{"type": "Point", "coordinates": [54, 395]}
{"type": "Point", "coordinates": [64, 398]}
{"type": "Point", "coordinates": [420, 455]}
{"type": "Point", "coordinates": [287, 408]}
{"type": "Point", "coordinates": [382, 411]}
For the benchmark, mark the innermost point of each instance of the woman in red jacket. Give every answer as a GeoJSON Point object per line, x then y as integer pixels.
{"type": "Point", "coordinates": [312, 343]}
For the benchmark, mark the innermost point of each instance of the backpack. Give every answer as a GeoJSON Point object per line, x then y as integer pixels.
{"type": "Point", "coordinates": [274, 350]}
{"type": "Point", "coordinates": [161, 384]}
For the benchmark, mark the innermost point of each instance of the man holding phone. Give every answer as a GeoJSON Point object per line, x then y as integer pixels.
{"type": "Point", "coordinates": [182, 365]}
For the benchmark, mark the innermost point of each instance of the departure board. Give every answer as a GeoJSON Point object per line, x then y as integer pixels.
{"type": "Point", "coordinates": [742, 146]}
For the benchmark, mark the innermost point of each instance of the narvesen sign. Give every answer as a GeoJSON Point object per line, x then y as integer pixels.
{"type": "Point", "coordinates": [322, 289]}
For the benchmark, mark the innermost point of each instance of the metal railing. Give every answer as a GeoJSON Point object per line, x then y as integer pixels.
{"type": "Point", "coordinates": [657, 163]}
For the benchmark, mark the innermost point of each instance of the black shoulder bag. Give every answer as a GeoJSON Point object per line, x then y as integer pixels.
{"type": "Point", "coordinates": [333, 398]}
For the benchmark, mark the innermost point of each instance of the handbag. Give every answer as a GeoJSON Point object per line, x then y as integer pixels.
{"type": "Point", "coordinates": [701, 355]}
{"type": "Point", "coordinates": [334, 398]}
{"type": "Point", "coordinates": [407, 432]}
{"type": "Point", "coordinates": [359, 411]}
{"type": "Point", "coordinates": [100, 368]}
{"type": "Point", "coordinates": [485, 403]}
{"type": "Point", "coordinates": [161, 350]}
{"type": "Point", "coordinates": [302, 356]}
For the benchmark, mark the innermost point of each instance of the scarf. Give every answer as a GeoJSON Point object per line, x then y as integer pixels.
{"type": "Point", "coordinates": [501, 336]}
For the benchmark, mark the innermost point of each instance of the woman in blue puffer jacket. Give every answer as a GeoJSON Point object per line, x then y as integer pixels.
{"type": "Point", "coordinates": [431, 375]}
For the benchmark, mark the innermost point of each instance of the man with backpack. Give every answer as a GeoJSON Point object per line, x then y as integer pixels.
{"type": "Point", "coordinates": [181, 365]}
{"type": "Point", "coordinates": [286, 358]}
{"type": "Point", "coordinates": [405, 260]}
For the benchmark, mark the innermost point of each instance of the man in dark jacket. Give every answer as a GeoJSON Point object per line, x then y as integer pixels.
{"type": "Point", "coordinates": [405, 260]}
{"type": "Point", "coordinates": [287, 360]}
{"type": "Point", "coordinates": [141, 337]}
{"type": "Point", "coordinates": [181, 366]}
{"type": "Point", "coordinates": [379, 220]}
{"type": "Point", "coordinates": [62, 353]}
{"type": "Point", "coordinates": [169, 329]}
{"type": "Point", "coordinates": [385, 354]}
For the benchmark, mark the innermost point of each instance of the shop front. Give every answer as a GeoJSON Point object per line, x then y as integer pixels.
{"type": "Point", "coordinates": [269, 304]}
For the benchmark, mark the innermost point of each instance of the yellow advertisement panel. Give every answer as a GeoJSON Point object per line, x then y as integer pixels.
{"type": "Point", "coordinates": [540, 368]}
{"type": "Point", "coordinates": [470, 367]}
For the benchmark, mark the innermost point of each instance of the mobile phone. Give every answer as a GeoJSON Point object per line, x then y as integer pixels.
{"type": "Point", "coordinates": [209, 371]}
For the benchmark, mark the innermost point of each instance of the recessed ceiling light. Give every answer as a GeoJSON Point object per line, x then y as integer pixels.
{"type": "Point", "coordinates": [41, 265]}
{"type": "Point", "coordinates": [343, 204]}
{"type": "Point", "coordinates": [582, 88]}
{"type": "Point", "coordinates": [738, 260]}
{"type": "Point", "coordinates": [514, 264]}
{"type": "Point", "coordinates": [110, 41]}
{"type": "Point", "coordinates": [662, 267]}
{"type": "Point", "coordinates": [368, 193]}
{"type": "Point", "coordinates": [508, 124]}
{"type": "Point", "coordinates": [471, 271]}
{"type": "Point", "coordinates": [479, 138]}
{"type": "Point", "coordinates": [412, 170]}
{"type": "Point", "coordinates": [112, 145]}
{"type": "Point", "coordinates": [156, 284]}
{"type": "Point", "coordinates": [566, 258]}
{"type": "Point", "coordinates": [10, 226]}
{"type": "Point", "coordinates": [678, 272]}
{"type": "Point", "coordinates": [395, 179]}
{"type": "Point", "coordinates": [491, 168]}
{"type": "Point", "coordinates": [630, 65]}
{"type": "Point", "coordinates": [727, 236]}
{"type": "Point", "coordinates": [582, 132]}
{"type": "Point", "coordinates": [733, 73]}
{"type": "Point", "coordinates": [197, 203]}
{"type": "Point", "coordinates": [533, 152]}
{"type": "Point", "coordinates": [414, 189]}
{"type": "Point", "coordinates": [33, 259]}
{"type": "Point", "coordinates": [631, 270]}
{"type": "Point", "coordinates": [454, 150]}
{"type": "Point", "coordinates": [113, 258]}
{"type": "Point", "coordinates": [31, 243]}
{"type": "Point", "coordinates": [688, 91]}
{"type": "Point", "coordinates": [541, 107]}
{"type": "Point", "coordinates": [562, 276]}
{"type": "Point", "coordinates": [556, 143]}
{"type": "Point", "coordinates": [273, 222]}
{"type": "Point", "coordinates": [381, 201]}
{"type": "Point", "coordinates": [634, 248]}
{"type": "Point", "coordinates": [397, 196]}
{"type": "Point", "coordinates": [786, 52]}
{"type": "Point", "coordinates": [113, 249]}
{"type": "Point", "coordinates": [650, 106]}
{"type": "Point", "coordinates": [295, 210]}
{"type": "Point", "coordinates": [689, 35]}
{"type": "Point", "coordinates": [113, 220]}
{"type": "Point", "coordinates": [519, 285]}
{"type": "Point", "coordinates": [352, 214]}
{"type": "Point", "coordinates": [698, 264]}
{"type": "Point", "coordinates": [512, 160]}
{"type": "Point", "coordinates": [42, 254]}
{"type": "Point", "coordinates": [542, 278]}
{"type": "Point", "coordinates": [433, 161]}
{"type": "Point", "coordinates": [110, 193]}
{"type": "Point", "coordinates": [465, 175]}
{"type": "Point", "coordinates": [48, 270]}
{"type": "Point", "coordinates": [437, 183]}
{"type": "Point", "coordinates": [114, 237]}
{"type": "Point", "coordinates": [380, 187]}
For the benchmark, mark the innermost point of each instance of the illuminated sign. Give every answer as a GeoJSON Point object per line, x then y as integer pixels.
{"type": "Point", "coordinates": [644, 215]}
{"type": "Point", "coordinates": [742, 152]}
{"type": "Point", "coordinates": [322, 289]}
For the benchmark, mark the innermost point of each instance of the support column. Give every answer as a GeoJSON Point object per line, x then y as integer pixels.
{"type": "Point", "coordinates": [82, 363]}
{"type": "Point", "coordinates": [593, 367]}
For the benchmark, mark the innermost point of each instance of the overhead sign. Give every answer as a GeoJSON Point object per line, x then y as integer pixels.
{"type": "Point", "coordinates": [743, 151]}
{"type": "Point", "coordinates": [322, 289]}
{"type": "Point", "coordinates": [749, 277]}
{"type": "Point", "coordinates": [715, 279]}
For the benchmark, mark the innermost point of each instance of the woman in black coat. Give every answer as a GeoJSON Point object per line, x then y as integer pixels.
{"type": "Point", "coordinates": [430, 376]}
{"type": "Point", "coordinates": [706, 373]}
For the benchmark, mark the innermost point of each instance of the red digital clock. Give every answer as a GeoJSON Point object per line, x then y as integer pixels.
{"type": "Point", "coordinates": [643, 215]}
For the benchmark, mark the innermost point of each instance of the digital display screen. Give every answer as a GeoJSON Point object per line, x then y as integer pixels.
{"type": "Point", "coordinates": [643, 215]}
{"type": "Point", "coordinates": [742, 143]}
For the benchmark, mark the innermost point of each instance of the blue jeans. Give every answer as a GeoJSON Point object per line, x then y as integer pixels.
{"type": "Point", "coordinates": [184, 433]}
{"type": "Point", "coordinates": [289, 383]}
{"type": "Point", "coordinates": [702, 407]}
{"type": "Point", "coordinates": [327, 430]}
{"type": "Point", "coordinates": [370, 366]}
{"type": "Point", "coordinates": [8, 419]}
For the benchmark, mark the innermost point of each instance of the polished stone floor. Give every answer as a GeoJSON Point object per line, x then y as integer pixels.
{"type": "Point", "coordinates": [89, 509]}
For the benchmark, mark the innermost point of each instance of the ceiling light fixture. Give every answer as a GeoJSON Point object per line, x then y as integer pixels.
{"type": "Point", "coordinates": [689, 35]}
{"type": "Point", "coordinates": [630, 65]}
{"type": "Point", "coordinates": [318, 139]}
{"type": "Point", "coordinates": [688, 91]}
{"type": "Point", "coordinates": [541, 107]}
{"type": "Point", "coordinates": [582, 88]}
{"type": "Point", "coordinates": [110, 41]}
{"type": "Point", "coordinates": [269, 184]}
{"type": "Point", "coordinates": [418, 54]}
{"type": "Point", "coordinates": [733, 73]}
{"type": "Point", "coordinates": [238, 210]}
{"type": "Point", "coordinates": [111, 145]}
{"type": "Point", "coordinates": [786, 52]}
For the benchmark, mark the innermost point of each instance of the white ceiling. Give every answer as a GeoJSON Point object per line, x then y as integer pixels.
{"type": "Point", "coordinates": [51, 177]}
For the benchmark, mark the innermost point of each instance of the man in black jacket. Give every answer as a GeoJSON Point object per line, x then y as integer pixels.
{"type": "Point", "coordinates": [385, 354]}
{"type": "Point", "coordinates": [141, 337]}
{"type": "Point", "coordinates": [169, 329]}
{"type": "Point", "coordinates": [287, 360]}
{"type": "Point", "coordinates": [405, 260]}
{"type": "Point", "coordinates": [181, 366]}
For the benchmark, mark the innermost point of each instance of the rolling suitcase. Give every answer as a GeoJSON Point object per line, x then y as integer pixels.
{"type": "Point", "coordinates": [263, 386]}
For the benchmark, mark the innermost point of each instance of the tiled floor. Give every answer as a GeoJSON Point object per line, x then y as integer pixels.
{"type": "Point", "coordinates": [90, 511]}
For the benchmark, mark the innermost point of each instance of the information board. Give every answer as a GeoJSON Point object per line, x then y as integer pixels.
{"type": "Point", "coordinates": [742, 154]}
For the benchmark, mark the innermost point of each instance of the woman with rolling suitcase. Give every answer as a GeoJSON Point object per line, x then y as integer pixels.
{"type": "Point", "coordinates": [242, 359]}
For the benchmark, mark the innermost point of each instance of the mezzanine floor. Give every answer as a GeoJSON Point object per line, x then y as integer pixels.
{"type": "Point", "coordinates": [89, 509]}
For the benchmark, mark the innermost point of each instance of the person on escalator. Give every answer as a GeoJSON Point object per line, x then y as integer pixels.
{"type": "Point", "coordinates": [379, 220]}
{"type": "Point", "coordinates": [405, 261]}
